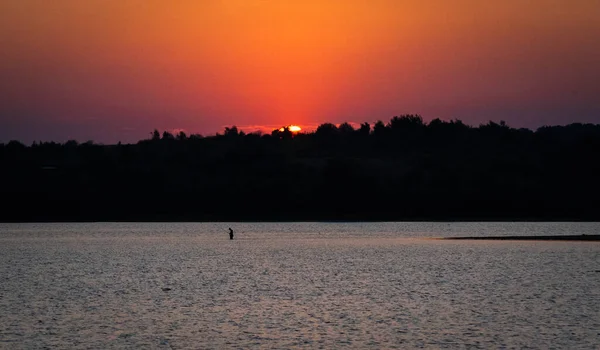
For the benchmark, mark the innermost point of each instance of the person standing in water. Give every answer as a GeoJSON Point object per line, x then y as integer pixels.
{"type": "Point", "coordinates": [230, 233]}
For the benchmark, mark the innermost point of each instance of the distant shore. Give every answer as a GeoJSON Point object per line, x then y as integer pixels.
{"type": "Point", "coordinates": [403, 170]}
{"type": "Point", "coordinates": [533, 238]}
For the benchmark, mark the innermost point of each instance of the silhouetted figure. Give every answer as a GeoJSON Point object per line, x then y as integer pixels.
{"type": "Point", "coordinates": [230, 233]}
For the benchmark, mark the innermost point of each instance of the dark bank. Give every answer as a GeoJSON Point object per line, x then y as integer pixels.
{"type": "Point", "coordinates": [404, 169]}
{"type": "Point", "coordinates": [533, 238]}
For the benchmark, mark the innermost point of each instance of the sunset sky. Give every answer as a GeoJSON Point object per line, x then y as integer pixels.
{"type": "Point", "coordinates": [114, 70]}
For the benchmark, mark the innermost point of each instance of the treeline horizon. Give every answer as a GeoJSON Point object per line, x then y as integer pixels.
{"type": "Point", "coordinates": [404, 169]}
{"type": "Point", "coordinates": [344, 126]}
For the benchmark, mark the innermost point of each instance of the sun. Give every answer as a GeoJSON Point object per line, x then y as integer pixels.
{"type": "Point", "coordinates": [292, 128]}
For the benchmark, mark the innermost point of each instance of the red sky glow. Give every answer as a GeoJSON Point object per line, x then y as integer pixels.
{"type": "Point", "coordinates": [114, 70]}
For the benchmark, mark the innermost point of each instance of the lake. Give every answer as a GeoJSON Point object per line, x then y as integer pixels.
{"type": "Point", "coordinates": [297, 285]}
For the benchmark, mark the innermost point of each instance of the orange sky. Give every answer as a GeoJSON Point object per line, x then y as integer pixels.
{"type": "Point", "coordinates": [114, 70]}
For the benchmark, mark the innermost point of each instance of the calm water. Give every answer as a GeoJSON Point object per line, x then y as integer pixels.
{"type": "Point", "coordinates": [297, 285]}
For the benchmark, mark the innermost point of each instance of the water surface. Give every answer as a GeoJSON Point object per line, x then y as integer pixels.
{"type": "Point", "coordinates": [297, 285]}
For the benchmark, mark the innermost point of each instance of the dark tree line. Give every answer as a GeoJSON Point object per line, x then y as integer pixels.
{"type": "Point", "coordinates": [403, 170]}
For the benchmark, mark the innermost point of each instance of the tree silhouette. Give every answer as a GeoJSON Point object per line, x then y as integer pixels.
{"type": "Point", "coordinates": [379, 129]}
{"type": "Point", "coordinates": [326, 130]}
{"type": "Point", "coordinates": [403, 170]}
{"type": "Point", "coordinates": [283, 133]}
{"type": "Point", "coordinates": [181, 136]}
{"type": "Point", "coordinates": [365, 129]}
{"type": "Point", "coordinates": [346, 128]}
{"type": "Point", "coordinates": [406, 122]}
{"type": "Point", "coordinates": [232, 131]}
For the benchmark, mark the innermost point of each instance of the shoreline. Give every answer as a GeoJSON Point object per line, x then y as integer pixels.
{"type": "Point", "coordinates": [532, 238]}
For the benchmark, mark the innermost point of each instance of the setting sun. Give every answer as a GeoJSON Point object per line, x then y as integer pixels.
{"type": "Point", "coordinates": [292, 128]}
